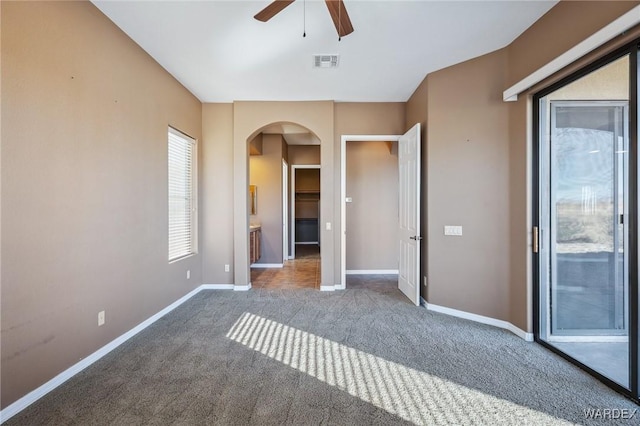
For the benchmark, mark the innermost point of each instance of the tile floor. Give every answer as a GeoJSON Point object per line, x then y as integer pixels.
{"type": "Point", "coordinates": [301, 272]}
{"type": "Point", "coordinates": [304, 272]}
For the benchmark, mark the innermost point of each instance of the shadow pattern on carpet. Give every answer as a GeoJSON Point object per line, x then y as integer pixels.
{"type": "Point", "coordinates": [358, 356]}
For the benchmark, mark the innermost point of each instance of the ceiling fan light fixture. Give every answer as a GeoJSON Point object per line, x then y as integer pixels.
{"type": "Point", "coordinates": [336, 8]}
{"type": "Point", "coordinates": [326, 61]}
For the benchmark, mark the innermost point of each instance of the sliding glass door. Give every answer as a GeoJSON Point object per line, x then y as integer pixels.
{"type": "Point", "coordinates": [582, 232]}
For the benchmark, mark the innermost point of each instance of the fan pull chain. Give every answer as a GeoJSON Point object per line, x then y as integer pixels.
{"type": "Point", "coordinates": [339, 19]}
{"type": "Point", "coordinates": [304, 18]}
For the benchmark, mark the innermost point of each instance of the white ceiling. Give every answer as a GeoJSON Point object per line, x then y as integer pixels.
{"type": "Point", "coordinates": [221, 54]}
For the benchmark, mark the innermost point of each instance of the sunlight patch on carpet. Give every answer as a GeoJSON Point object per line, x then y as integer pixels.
{"type": "Point", "coordinates": [410, 394]}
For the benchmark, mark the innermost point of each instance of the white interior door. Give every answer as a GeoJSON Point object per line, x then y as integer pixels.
{"type": "Point", "coordinates": [285, 211]}
{"type": "Point", "coordinates": [409, 214]}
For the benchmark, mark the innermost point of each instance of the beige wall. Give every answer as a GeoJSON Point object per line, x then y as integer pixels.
{"type": "Point", "coordinates": [265, 171]}
{"type": "Point", "coordinates": [84, 188]}
{"type": "Point", "coordinates": [285, 150]}
{"type": "Point", "coordinates": [564, 26]}
{"type": "Point", "coordinates": [366, 118]}
{"type": "Point", "coordinates": [217, 193]}
{"type": "Point", "coordinates": [255, 145]}
{"type": "Point", "coordinates": [607, 83]}
{"type": "Point", "coordinates": [304, 155]}
{"type": "Point", "coordinates": [468, 176]}
{"type": "Point", "coordinates": [372, 216]}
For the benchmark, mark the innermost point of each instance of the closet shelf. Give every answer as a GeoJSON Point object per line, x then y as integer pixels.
{"type": "Point", "coordinates": [307, 195]}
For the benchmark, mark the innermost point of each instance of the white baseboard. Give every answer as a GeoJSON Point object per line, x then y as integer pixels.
{"type": "Point", "coordinates": [479, 318]}
{"type": "Point", "coordinates": [371, 271]}
{"type": "Point", "coordinates": [267, 265]}
{"type": "Point", "coordinates": [528, 337]}
{"type": "Point", "coordinates": [33, 396]}
{"type": "Point", "coordinates": [242, 287]}
{"type": "Point", "coordinates": [332, 287]}
{"type": "Point", "coordinates": [327, 288]}
{"type": "Point", "coordinates": [36, 394]}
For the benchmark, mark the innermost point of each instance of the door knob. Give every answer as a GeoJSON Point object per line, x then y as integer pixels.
{"type": "Point", "coordinates": [417, 238]}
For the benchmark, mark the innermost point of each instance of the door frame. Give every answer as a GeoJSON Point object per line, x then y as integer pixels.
{"type": "Point", "coordinates": [285, 210]}
{"type": "Point", "coordinates": [292, 202]}
{"type": "Point", "coordinates": [343, 194]}
{"type": "Point", "coordinates": [634, 195]}
{"type": "Point", "coordinates": [587, 335]}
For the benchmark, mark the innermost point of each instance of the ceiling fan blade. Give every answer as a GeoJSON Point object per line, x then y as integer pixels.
{"type": "Point", "coordinates": [340, 17]}
{"type": "Point", "coordinates": [272, 10]}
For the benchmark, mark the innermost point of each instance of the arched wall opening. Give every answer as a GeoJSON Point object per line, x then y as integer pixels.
{"type": "Point", "coordinates": [283, 210]}
{"type": "Point", "coordinates": [250, 119]}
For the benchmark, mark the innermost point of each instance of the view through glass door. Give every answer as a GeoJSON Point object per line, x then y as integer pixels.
{"type": "Point", "coordinates": [584, 209]}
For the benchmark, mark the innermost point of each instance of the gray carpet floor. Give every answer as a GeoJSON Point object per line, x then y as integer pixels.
{"type": "Point", "coordinates": [363, 356]}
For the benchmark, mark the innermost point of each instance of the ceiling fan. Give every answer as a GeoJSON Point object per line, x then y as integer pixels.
{"type": "Point", "coordinates": [336, 9]}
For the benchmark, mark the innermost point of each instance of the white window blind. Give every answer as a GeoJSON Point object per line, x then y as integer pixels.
{"type": "Point", "coordinates": [181, 195]}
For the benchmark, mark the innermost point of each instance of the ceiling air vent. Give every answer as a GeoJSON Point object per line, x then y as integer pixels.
{"type": "Point", "coordinates": [325, 61]}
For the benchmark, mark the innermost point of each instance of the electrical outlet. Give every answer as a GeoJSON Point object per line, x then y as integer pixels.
{"type": "Point", "coordinates": [188, 273]}
{"type": "Point", "coordinates": [101, 318]}
{"type": "Point", "coordinates": [328, 226]}
{"type": "Point", "coordinates": [226, 268]}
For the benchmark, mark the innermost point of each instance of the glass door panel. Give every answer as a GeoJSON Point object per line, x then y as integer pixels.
{"type": "Point", "coordinates": [587, 209]}
{"type": "Point", "coordinates": [584, 302]}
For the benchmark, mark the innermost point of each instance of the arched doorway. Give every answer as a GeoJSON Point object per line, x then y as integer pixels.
{"type": "Point", "coordinates": [297, 133]}
{"type": "Point", "coordinates": [250, 119]}
{"type": "Point", "coordinates": [284, 207]}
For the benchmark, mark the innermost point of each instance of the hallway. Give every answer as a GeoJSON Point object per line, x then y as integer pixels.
{"type": "Point", "coordinates": [301, 272]}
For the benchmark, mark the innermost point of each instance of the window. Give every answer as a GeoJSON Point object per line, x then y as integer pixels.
{"type": "Point", "coordinates": [181, 195]}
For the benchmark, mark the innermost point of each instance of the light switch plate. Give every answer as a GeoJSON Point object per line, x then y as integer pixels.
{"type": "Point", "coordinates": [455, 231]}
